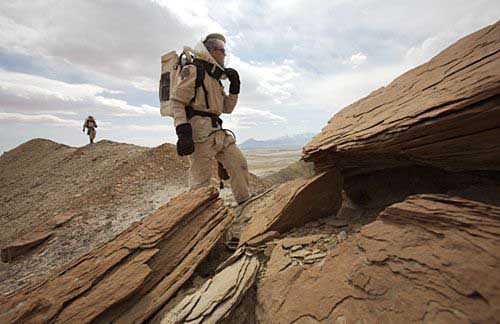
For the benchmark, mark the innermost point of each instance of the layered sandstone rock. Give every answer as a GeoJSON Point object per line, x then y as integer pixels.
{"type": "Point", "coordinates": [12, 250]}
{"type": "Point", "coordinates": [444, 114]}
{"type": "Point", "coordinates": [431, 258]}
{"type": "Point", "coordinates": [292, 205]}
{"type": "Point", "coordinates": [106, 187]}
{"type": "Point", "coordinates": [215, 300]}
{"type": "Point", "coordinates": [130, 278]}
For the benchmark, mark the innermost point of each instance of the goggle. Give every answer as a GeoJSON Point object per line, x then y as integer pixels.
{"type": "Point", "coordinates": [223, 50]}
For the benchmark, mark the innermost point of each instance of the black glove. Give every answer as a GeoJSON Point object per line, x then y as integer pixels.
{"type": "Point", "coordinates": [234, 78]}
{"type": "Point", "coordinates": [185, 143]}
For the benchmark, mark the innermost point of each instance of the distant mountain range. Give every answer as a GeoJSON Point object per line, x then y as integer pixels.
{"type": "Point", "coordinates": [285, 142]}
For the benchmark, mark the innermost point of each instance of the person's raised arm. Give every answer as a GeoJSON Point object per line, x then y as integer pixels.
{"type": "Point", "coordinates": [234, 90]}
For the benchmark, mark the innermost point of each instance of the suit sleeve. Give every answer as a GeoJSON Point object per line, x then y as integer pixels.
{"type": "Point", "coordinates": [182, 94]}
{"type": "Point", "coordinates": [229, 103]}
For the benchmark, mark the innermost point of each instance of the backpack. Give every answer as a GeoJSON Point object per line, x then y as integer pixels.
{"type": "Point", "coordinates": [171, 66]}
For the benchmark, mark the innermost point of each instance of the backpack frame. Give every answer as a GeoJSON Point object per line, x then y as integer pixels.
{"type": "Point", "coordinates": [172, 65]}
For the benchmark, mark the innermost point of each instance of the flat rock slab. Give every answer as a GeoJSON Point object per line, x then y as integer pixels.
{"type": "Point", "coordinates": [431, 259]}
{"type": "Point", "coordinates": [9, 252]}
{"type": "Point", "coordinates": [293, 204]}
{"type": "Point", "coordinates": [263, 238]}
{"type": "Point", "coordinates": [444, 113]}
{"type": "Point", "coordinates": [131, 277]}
{"type": "Point", "coordinates": [315, 256]}
{"type": "Point", "coordinates": [303, 240]}
{"type": "Point", "coordinates": [278, 261]}
{"type": "Point", "coordinates": [215, 300]}
{"type": "Point", "coordinates": [302, 253]}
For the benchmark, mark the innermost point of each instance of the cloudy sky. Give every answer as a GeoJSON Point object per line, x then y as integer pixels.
{"type": "Point", "coordinates": [299, 61]}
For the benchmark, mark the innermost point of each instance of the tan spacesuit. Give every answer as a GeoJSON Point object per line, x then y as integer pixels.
{"type": "Point", "coordinates": [196, 112]}
{"type": "Point", "coordinates": [91, 125]}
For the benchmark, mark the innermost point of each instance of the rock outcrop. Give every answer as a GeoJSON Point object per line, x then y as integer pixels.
{"type": "Point", "coordinates": [444, 114]}
{"type": "Point", "coordinates": [10, 251]}
{"type": "Point", "coordinates": [416, 168]}
{"type": "Point", "coordinates": [423, 154]}
{"type": "Point", "coordinates": [130, 278]}
{"type": "Point", "coordinates": [105, 187]}
{"type": "Point", "coordinates": [215, 300]}
{"type": "Point", "coordinates": [292, 205]}
{"type": "Point", "coordinates": [431, 258]}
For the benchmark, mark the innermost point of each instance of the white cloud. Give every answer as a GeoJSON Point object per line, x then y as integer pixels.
{"type": "Point", "coordinates": [288, 61]}
{"type": "Point", "coordinates": [424, 51]}
{"type": "Point", "coordinates": [26, 92]}
{"type": "Point", "coordinates": [58, 112]}
{"type": "Point", "coordinates": [38, 119]}
{"type": "Point", "coordinates": [151, 128]}
{"type": "Point", "coordinates": [264, 84]}
{"type": "Point", "coordinates": [17, 37]}
{"type": "Point", "coordinates": [356, 60]}
{"type": "Point", "coordinates": [336, 91]}
{"type": "Point", "coordinates": [247, 117]}
{"type": "Point", "coordinates": [30, 86]}
{"type": "Point", "coordinates": [124, 39]}
{"type": "Point", "coordinates": [145, 84]}
{"type": "Point", "coordinates": [125, 109]}
{"type": "Point", "coordinates": [194, 13]}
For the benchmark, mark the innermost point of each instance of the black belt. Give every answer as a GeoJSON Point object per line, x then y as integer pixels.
{"type": "Point", "coordinates": [216, 121]}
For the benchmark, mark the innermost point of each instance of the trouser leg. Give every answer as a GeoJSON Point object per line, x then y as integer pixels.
{"type": "Point", "coordinates": [92, 135]}
{"type": "Point", "coordinates": [200, 165]}
{"type": "Point", "coordinates": [236, 165]}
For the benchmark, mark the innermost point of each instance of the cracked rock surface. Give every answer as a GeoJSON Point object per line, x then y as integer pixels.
{"type": "Point", "coordinates": [431, 259]}
{"type": "Point", "coordinates": [215, 300]}
{"type": "Point", "coordinates": [131, 277]}
{"type": "Point", "coordinates": [292, 205]}
{"type": "Point", "coordinates": [60, 202]}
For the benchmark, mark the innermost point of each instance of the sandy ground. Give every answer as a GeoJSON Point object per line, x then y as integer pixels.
{"type": "Point", "coordinates": [263, 162]}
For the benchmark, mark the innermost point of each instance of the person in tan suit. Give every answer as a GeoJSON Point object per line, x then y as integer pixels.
{"type": "Point", "coordinates": [90, 125]}
{"type": "Point", "coordinates": [196, 112]}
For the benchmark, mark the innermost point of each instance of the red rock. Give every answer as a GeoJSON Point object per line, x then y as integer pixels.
{"type": "Point", "coordinates": [293, 204]}
{"type": "Point", "coordinates": [444, 113]}
{"type": "Point", "coordinates": [28, 242]}
{"type": "Point", "coordinates": [218, 297]}
{"type": "Point", "coordinates": [303, 240]}
{"type": "Point", "coordinates": [431, 258]}
{"type": "Point", "coordinates": [130, 278]}
{"type": "Point", "coordinates": [263, 238]}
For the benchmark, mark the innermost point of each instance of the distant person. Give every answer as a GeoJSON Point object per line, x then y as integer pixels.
{"type": "Point", "coordinates": [90, 125]}
{"type": "Point", "coordinates": [196, 114]}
